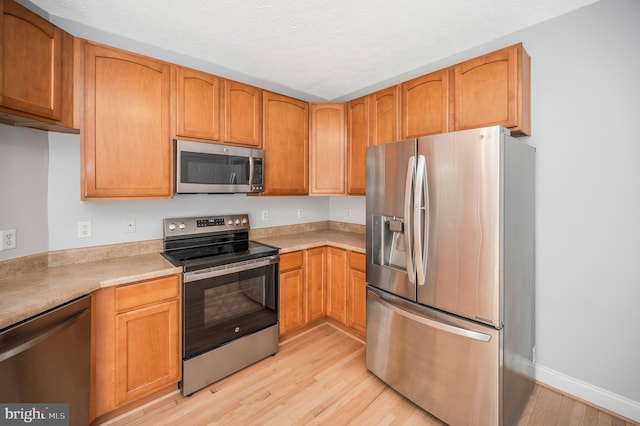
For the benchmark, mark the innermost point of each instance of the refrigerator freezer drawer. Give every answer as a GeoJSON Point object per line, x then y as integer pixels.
{"type": "Point", "coordinates": [448, 366]}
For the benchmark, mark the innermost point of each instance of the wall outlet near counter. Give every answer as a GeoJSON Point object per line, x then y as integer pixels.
{"type": "Point", "coordinates": [84, 229]}
{"type": "Point", "coordinates": [265, 215]}
{"type": "Point", "coordinates": [130, 225]}
{"type": "Point", "coordinates": [8, 239]}
{"type": "Point", "coordinates": [300, 213]}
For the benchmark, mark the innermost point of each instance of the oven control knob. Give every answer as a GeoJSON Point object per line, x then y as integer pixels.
{"type": "Point", "coordinates": [230, 222]}
{"type": "Point", "coordinates": [244, 221]}
{"type": "Point", "coordinates": [237, 221]}
{"type": "Point", "coordinates": [182, 226]}
{"type": "Point", "coordinates": [172, 227]}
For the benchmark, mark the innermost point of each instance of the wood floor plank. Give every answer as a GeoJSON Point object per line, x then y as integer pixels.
{"type": "Point", "coordinates": [320, 378]}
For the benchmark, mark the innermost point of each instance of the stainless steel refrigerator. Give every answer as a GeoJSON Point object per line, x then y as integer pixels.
{"type": "Point", "coordinates": [450, 273]}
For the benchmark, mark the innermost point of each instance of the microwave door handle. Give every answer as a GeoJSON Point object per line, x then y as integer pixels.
{"type": "Point", "coordinates": [251, 166]}
{"type": "Point", "coordinates": [408, 235]}
{"type": "Point", "coordinates": [420, 226]}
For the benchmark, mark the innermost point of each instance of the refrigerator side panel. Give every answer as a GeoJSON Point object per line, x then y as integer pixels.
{"type": "Point", "coordinates": [462, 223]}
{"type": "Point", "coordinates": [518, 275]}
{"type": "Point", "coordinates": [389, 261]}
{"type": "Point", "coordinates": [448, 366]}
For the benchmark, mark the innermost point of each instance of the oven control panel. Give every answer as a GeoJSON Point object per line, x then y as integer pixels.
{"type": "Point", "coordinates": [205, 224]}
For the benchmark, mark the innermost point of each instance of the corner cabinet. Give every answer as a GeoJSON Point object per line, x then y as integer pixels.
{"type": "Point", "coordinates": [291, 299]}
{"type": "Point", "coordinates": [327, 149]}
{"type": "Point", "coordinates": [36, 69]}
{"type": "Point", "coordinates": [242, 114]}
{"type": "Point", "coordinates": [357, 294]}
{"type": "Point", "coordinates": [137, 335]}
{"type": "Point", "coordinates": [425, 105]}
{"type": "Point", "coordinates": [337, 284]}
{"type": "Point", "coordinates": [126, 142]}
{"type": "Point", "coordinates": [358, 131]}
{"type": "Point", "coordinates": [286, 145]}
{"type": "Point", "coordinates": [198, 105]}
{"type": "Point", "coordinates": [494, 89]}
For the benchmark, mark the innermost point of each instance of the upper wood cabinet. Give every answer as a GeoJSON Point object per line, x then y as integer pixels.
{"type": "Point", "coordinates": [36, 69]}
{"type": "Point", "coordinates": [425, 105]}
{"type": "Point", "coordinates": [358, 131]}
{"type": "Point", "coordinates": [327, 149]}
{"type": "Point", "coordinates": [126, 142]}
{"type": "Point", "coordinates": [385, 115]}
{"type": "Point", "coordinates": [286, 145]}
{"type": "Point", "coordinates": [494, 89]}
{"type": "Point", "coordinates": [198, 105]}
{"type": "Point", "coordinates": [242, 114]}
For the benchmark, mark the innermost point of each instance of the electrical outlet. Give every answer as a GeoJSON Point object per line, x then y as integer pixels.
{"type": "Point", "coordinates": [84, 229]}
{"type": "Point", "coordinates": [265, 215]}
{"type": "Point", "coordinates": [131, 225]}
{"type": "Point", "coordinates": [348, 212]}
{"type": "Point", "coordinates": [300, 213]}
{"type": "Point", "coordinates": [8, 239]}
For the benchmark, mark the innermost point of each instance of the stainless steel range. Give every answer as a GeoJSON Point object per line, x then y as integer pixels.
{"type": "Point", "coordinates": [229, 298]}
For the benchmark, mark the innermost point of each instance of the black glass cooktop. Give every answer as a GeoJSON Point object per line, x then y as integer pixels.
{"type": "Point", "coordinates": [195, 258]}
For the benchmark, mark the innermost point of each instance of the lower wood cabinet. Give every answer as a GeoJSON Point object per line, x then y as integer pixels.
{"type": "Point", "coordinates": [137, 335]}
{"type": "Point", "coordinates": [322, 282]}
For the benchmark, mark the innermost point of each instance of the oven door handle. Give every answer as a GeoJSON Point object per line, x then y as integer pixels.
{"type": "Point", "coordinates": [217, 271]}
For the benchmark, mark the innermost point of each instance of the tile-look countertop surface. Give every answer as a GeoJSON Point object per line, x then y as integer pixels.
{"type": "Point", "coordinates": [327, 237]}
{"type": "Point", "coordinates": [26, 294]}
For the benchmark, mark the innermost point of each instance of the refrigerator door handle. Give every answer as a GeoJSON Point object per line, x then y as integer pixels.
{"type": "Point", "coordinates": [475, 335]}
{"type": "Point", "coordinates": [420, 227]}
{"type": "Point", "coordinates": [408, 235]}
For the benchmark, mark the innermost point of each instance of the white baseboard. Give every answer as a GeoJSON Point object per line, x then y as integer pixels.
{"type": "Point", "coordinates": [594, 395]}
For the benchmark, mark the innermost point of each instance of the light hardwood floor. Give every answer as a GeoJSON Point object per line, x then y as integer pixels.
{"type": "Point", "coordinates": [320, 377]}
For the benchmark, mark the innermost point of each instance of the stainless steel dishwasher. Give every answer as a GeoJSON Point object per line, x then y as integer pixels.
{"type": "Point", "coordinates": [46, 359]}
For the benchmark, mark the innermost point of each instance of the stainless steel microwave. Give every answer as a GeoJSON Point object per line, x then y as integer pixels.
{"type": "Point", "coordinates": [217, 169]}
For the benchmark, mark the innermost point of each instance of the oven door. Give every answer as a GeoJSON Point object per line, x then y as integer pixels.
{"type": "Point", "coordinates": [225, 303]}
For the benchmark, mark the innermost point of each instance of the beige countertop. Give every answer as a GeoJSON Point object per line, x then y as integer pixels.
{"type": "Point", "coordinates": [25, 294]}
{"type": "Point", "coordinates": [305, 240]}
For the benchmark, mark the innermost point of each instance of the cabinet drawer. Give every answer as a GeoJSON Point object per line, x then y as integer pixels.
{"type": "Point", "coordinates": [290, 261]}
{"type": "Point", "coordinates": [147, 292]}
{"type": "Point", "coordinates": [357, 261]}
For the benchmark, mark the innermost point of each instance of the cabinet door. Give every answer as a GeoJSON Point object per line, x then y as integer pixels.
{"type": "Point", "coordinates": [494, 89]}
{"type": "Point", "coordinates": [327, 149]}
{"type": "Point", "coordinates": [357, 294]}
{"type": "Point", "coordinates": [126, 141]}
{"type": "Point", "coordinates": [316, 283]}
{"type": "Point", "coordinates": [291, 300]}
{"type": "Point", "coordinates": [425, 105]}
{"type": "Point", "coordinates": [148, 350]}
{"type": "Point", "coordinates": [286, 145]}
{"type": "Point", "coordinates": [31, 67]}
{"type": "Point", "coordinates": [385, 116]}
{"type": "Point", "coordinates": [242, 114]}
{"type": "Point", "coordinates": [358, 126]}
{"type": "Point", "coordinates": [197, 104]}
{"type": "Point", "coordinates": [337, 284]}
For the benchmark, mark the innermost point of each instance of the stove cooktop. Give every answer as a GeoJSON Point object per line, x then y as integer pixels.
{"type": "Point", "coordinates": [193, 259]}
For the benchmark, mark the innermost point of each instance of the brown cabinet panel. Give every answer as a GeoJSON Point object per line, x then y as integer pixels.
{"type": "Point", "coordinates": [385, 116]}
{"type": "Point", "coordinates": [197, 104]}
{"type": "Point", "coordinates": [327, 149]}
{"type": "Point", "coordinates": [316, 283]}
{"type": "Point", "coordinates": [242, 114]}
{"type": "Point", "coordinates": [425, 105]}
{"type": "Point", "coordinates": [148, 351]}
{"type": "Point", "coordinates": [291, 300]}
{"type": "Point", "coordinates": [357, 301]}
{"type": "Point", "coordinates": [36, 67]}
{"type": "Point", "coordinates": [292, 260]}
{"type": "Point", "coordinates": [126, 145]}
{"type": "Point", "coordinates": [494, 89]}
{"type": "Point", "coordinates": [286, 145]}
{"type": "Point", "coordinates": [358, 131]}
{"type": "Point", "coordinates": [337, 284]}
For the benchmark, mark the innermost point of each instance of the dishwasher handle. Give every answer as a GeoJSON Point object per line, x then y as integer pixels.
{"type": "Point", "coordinates": [31, 341]}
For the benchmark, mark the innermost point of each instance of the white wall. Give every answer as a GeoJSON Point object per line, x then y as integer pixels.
{"type": "Point", "coordinates": [23, 189]}
{"type": "Point", "coordinates": [585, 93]}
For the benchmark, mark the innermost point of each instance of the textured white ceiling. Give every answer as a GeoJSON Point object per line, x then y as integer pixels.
{"type": "Point", "coordinates": [323, 48]}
